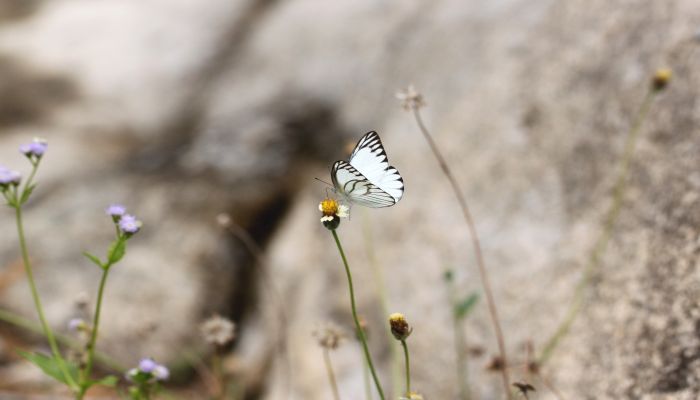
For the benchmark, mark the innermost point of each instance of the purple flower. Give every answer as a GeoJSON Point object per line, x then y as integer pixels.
{"type": "Point", "coordinates": [147, 365]}
{"type": "Point", "coordinates": [116, 210]}
{"type": "Point", "coordinates": [9, 177]}
{"type": "Point", "coordinates": [76, 324]}
{"type": "Point", "coordinates": [129, 224]}
{"type": "Point", "coordinates": [36, 148]}
{"type": "Point", "coordinates": [161, 373]}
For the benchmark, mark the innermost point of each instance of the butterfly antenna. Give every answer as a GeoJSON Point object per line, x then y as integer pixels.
{"type": "Point", "coordinates": [322, 181]}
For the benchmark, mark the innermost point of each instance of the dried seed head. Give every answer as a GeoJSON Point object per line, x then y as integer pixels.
{"type": "Point", "coordinates": [329, 336]}
{"type": "Point", "coordinates": [218, 330]}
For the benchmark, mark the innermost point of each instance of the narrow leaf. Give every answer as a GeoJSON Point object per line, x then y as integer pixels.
{"type": "Point", "coordinates": [109, 381]}
{"type": "Point", "coordinates": [463, 308]}
{"type": "Point", "coordinates": [26, 193]}
{"type": "Point", "coordinates": [50, 366]}
{"type": "Point", "coordinates": [116, 251]}
{"type": "Point", "coordinates": [93, 258]}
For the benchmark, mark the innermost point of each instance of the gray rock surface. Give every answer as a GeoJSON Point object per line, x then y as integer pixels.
{"type": "Point", "coordinates": [186, 109]}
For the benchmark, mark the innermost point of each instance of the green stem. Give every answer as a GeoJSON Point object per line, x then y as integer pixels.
{"type": "Point", "coordinates": [37, 302]}
{"type": "Point", "coordinates": [408, 369]}
{"type": "Point", "coordinates": [365, 379]}
{"type": "Point", "coordinates": [379, 280]}
{"type": "Point", "coordinates": [331, 375]}
{"type": "Point", "coordinates": [360, 331]}
{"type": "Point", "coordinates": [601, 244]}
{"type": "Point", "coordinates": [85, 374]}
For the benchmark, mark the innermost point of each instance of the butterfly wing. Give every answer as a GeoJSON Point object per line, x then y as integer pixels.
{"type": "Point", "coordinates": [370, 159]}
{"type": "Point", "coordinates": [356, 188]}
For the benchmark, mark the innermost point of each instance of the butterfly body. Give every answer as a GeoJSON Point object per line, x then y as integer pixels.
{"type": "Point", "coordinates": [367, 178]}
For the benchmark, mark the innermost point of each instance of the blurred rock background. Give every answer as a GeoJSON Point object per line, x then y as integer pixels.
{"type": "Point", "coordinates": [186, 109]}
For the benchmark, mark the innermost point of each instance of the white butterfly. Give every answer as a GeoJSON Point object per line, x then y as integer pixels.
{"type": "Point", "coordinates": [367, 178]}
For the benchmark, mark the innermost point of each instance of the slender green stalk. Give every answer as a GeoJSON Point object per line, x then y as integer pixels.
{"type": "Point", "coordinates": [85, 373]}
{"type": "Point", "coordinates": [365, 379]}
{"type": "Point", "coordinates": [601, 244]}
{"type": "Point", "coordinates": [483, 273]}
{"type": "Point", "coordinates": [360, 331]}
{"type": "Point", "coordinates": [331, 374]}
{"type": "Point", "coordinates": [35, 295]}
{"type": "Point", "coordinates": [408, 368]}
{"type": "Point", "coordinates": [378, 273]}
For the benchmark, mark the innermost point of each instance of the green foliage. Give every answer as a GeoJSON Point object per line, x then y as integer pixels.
{"type": "Point", "coordinates": [26, 193]}
{"type": "Point", "coordinates": [96, 260]}
{"type": "Point", "coordinates": [50, 366]}
{"type": "Point", "coordinates": [116, 250]}
{"type": "Point", "coordinates": [463, 308]}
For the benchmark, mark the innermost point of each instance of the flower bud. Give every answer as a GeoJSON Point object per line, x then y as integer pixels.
{"type": "Point", "coordinates": [399, 326]}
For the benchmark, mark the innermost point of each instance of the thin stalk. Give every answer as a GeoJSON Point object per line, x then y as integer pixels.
{"type": "Point", "coordinates": [483, 273]}
{"type": "Point", "coordinates": [35, 296]}
{"type": "Point", "coordinates": [365, 379]}
{"type": "Point", "coordinates": [331, 374]}
{"type": "Point", "coordinates": [85, 374]}
{"type": "Point", "coordinates": [360, 331]}
{"type": "Point", "coordinates": [378, 273]}
{"type": "Point", "coordinates": [408, 368]}
{"type": "Point", "coordinates": [601, 244]}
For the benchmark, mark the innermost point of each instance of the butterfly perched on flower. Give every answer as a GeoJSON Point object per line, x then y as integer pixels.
{"type": "Point", "coordinates": [367, 178]}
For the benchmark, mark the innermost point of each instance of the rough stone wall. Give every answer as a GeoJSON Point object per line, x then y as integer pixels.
{"type": "Point", "coordinates": [185, 109]}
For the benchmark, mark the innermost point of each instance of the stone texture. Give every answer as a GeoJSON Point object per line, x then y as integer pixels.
{"type": "Point", "coordinates": [236, 107]}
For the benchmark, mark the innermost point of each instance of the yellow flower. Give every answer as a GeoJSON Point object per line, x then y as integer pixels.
{"type": "Point", "coordinates": [661, 78]}
{"type": "Point", "coordinates": [332, 211]}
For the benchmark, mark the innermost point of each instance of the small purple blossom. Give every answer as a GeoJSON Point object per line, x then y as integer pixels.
{"type": "Point", "coordinates": [76, 324]}
{"type": "Point", "coordinates": [129, 224]}
{"type": "Point", "coordinates": [36, 148]}
{"type": "Point", "coordinates": [161, 373]}
{"type": "Point", "coordinates": [116, 210]}
{"type": "Point", "coordinates": [9, 177]}
{"type": "Point", "coordinates": [147, 365]}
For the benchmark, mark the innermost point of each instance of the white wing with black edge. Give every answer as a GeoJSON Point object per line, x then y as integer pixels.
{"type": "Point", "coordinates": [357, 189]}
{"type": "Point", "coordinates": [371, 160]}
{"type": "Point", "coordinates": [367, 178]}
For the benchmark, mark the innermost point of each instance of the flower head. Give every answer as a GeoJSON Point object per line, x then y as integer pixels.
{"type": "Point", "coordinates": [661, 78]}
{"type": "Point", "coordinates": [218, 330]}
{"type": "Point", "coordinates": [161, 372]}
{"type": "Point", "coordinates": [148, 372]}
{"type": "Point", "coordinates": [147, 365]}
{"type": "Point", "coordinates": [399, 326]}
{"type": "Point", "coordinates": [35, 149]}
{"type": "Point", "coordinates": [9, 177]}
{"type": "Point", "coordinates": [332, 211]}
{"type": "Point", "coordinates": [410, 98]}
{"type": "Point", "coordinates": [129, 224]}
{"type": "Point", "coordinates": [77, 325]}
{"type": "Point", "coordinates": [330, 336]}
{"type": "Point", "coordinates": [115, 211]}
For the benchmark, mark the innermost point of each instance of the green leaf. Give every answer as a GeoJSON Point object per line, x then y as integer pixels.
{"type": "Point", "coordinates": [463, 308]}
{"type": "Point", "coordinates": [116, 251]}
{"type": "Point", "coordinates": [109, 381]}
{"type": "Point", "coordinates": [93, 258]}
{"type": "Point", "coordinates": [26, 193]}
{"type": "Point", "coordinates": [50, 366]}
